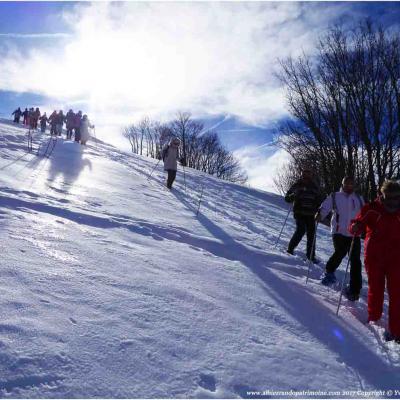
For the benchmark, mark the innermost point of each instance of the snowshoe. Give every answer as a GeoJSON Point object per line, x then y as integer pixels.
{"type": "Point", "coordinates": [350, 295]}
{"type": "Point", "coordinates": [329, 279]}
{"type": "Point", "coordinates": [390, 338]}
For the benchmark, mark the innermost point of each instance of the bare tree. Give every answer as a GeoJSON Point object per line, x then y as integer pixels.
{"type": "Point", "coordinates": [202, 151]}
{"type": "Point", "coordinates": [346, 107]}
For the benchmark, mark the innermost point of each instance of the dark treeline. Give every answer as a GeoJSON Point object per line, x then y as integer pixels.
{"type": "Point", "coordinates": [201, 150]}
{"type": "Point", "coordinates": [345, 103]}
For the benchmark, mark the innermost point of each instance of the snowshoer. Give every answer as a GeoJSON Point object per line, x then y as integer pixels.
{"type": "Point", "coordinates": [53, 123]}
{"type": "Point", "coordinates": [306, 198]}
{"type": "Point", "coordinates": [77, 126]}
{"type": "Point", "coordinates": [43, 120]}
{"type": "Point", "coordinates": [31, 118]}
{"type": "Point", "coordinates": [344, 206]}
{"type": "Point", "coordinates": [170, 155]}
{"type": "Point", "coordinates": [59, 122]}
{"type": "Point", "coordinates": [35, 115]}
{"type": "Point", "coordinates": [381, 219]}
{"type": "Point", "coordinates": [17, 115]}
{"type": "Point", "coordinates": [26, 116]}
{"type": "Point", "coordinates": [70, 120]}
{"type": "Point", "coordinates": [84, 131]}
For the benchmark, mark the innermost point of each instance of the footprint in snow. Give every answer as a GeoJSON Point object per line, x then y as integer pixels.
{"type": "Point", "coordinates": [125, 344]}
{"type": "Point", "coordinates": [208, 382]}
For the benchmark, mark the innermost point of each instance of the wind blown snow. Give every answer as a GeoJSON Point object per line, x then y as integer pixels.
{"type": "Point", "coordinates": [112, 286]}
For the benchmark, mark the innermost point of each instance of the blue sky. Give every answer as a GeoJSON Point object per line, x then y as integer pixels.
{"type": "Point", "coordinates": [122, 61]}
{"type": "Point", "coordinates": [31, 17]}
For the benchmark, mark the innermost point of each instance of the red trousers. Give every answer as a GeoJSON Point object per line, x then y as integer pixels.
{"type": "Point", "coordinates": [378, 276]}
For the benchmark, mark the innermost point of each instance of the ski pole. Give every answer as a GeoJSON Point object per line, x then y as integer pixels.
{"type": "Point", "coordinates": [201, 196]}
{"type": "Point", "coordinates": [184, 177]}
{"type": "Point", "coordinates": [283, 226]}
{"type": "Point", "coordinates": [345, 274]}
{"type": "Point", "coordinates": [29, 141]}
{"type": "Point", "coordinates": [94, 132]}
{"type": "Point", "coordinates": [312, 252]}
{"type": "Point", "coordinates": [151, 173]}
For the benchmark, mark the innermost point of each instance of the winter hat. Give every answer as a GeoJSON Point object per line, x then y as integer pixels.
{"type": "Point", "coordinates": [176, 141]}
{"type": "Point", "coordinates": [392, 187]}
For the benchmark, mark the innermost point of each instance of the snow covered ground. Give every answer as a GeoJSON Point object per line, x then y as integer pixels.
{"type": "Point", "coordinates": [112, 287]}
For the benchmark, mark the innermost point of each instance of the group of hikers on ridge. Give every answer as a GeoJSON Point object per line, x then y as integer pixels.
{"type": "Point", "coordinates": [75, 123]}
{"type": "Point", "coordinates": [78, 125]}
{"type": "Point", "coordinates": [351, 219]}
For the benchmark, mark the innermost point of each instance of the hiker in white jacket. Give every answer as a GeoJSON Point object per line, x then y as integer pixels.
{"type": "Point", "coordinates": [84, 129]}
{"type": "Point", "coordinates": [170, 156]}
{"type": "Point", "coordinates": [344, 205]}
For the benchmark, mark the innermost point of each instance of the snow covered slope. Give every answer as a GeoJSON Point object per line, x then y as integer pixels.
{"type": "Point", "coordinates": [111, 286]}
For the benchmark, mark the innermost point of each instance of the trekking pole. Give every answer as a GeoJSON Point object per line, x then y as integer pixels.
{"type": "Point", "coordinates": [151, 173]}
{"type": "Point", "coordinates": [94, 132]}
{"type": "Point", "coordinates": [345, 274]}
{"type": "Point", "coordinates": [283, 226]}
{"type": "Point", "coordinates": [201, 196]}
{"type": "Point", "coordinates": [184, 177]}
{"type": "Point", "coordinates": [312, 252]}
{"type": "Point", "coordinates": [29, 141]}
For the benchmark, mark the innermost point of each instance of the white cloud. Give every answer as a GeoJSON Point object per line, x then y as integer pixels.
{"type": "Point", "coordinates": [137, 58]}
{"type": "Point", "coordinates": [262, 164]}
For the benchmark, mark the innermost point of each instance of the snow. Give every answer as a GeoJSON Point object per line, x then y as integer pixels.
{"type": "Point", "coordinates": [112, 286]}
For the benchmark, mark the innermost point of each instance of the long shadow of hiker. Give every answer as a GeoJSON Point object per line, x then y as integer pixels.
{"type": "Point", "coordinates": [330, 330]}
{"type": "Point", "coordinates": [68, 164]}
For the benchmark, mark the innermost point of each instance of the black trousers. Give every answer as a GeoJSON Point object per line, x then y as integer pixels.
{"type": "Point", "coordinates": [77, 134]}
{"type": "Point", "coordinates": [171, 178]}
{"type": "Point", "coordinates": [342, 246]}
{"type": "Point", "coordinates": [303, 224]}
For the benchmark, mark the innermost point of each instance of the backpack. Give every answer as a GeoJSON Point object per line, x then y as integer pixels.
{"type": "Point", "coordinates": [327, 220]}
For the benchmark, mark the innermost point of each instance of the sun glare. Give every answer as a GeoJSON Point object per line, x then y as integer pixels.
{"type": "Point", "coordinates": [135, 68]}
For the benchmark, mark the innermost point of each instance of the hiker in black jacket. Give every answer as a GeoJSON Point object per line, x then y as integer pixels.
{"type": "Point", "coordinates": [17, 115]}
{"type": "Point", "coordinates": [306, 197]}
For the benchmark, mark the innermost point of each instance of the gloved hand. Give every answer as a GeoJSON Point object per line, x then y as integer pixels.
{"type": "Point", "coordinates": [356, 228]}
{"type": "Point", "coordinates": [289, 198]}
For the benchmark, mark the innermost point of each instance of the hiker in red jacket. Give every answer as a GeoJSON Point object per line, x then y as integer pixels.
{"type": "Point", "coordinates": [381, 220]}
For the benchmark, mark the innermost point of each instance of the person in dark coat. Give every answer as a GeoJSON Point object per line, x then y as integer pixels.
{"type": "Point", "coordinates": [43, 120]}
{"type": "Point", "coordinates": [77, 126]}
{"type": "Point", "coordinates": [306, 197]}
{"type": "Point", "coordinates": [53, 122]}
{"type": "Point", "coordinates": [60, 122]}
{"type": "Point", "coordinates": [25, 114]}
{"type": "Point", "coordinates": [35, 117]}
{"type": "Point", "coordinates": [17, 115]}
{"type": "Point", "coordinates": [31, 118]}
{"type": "Point", "coordinates": [70, 120]}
